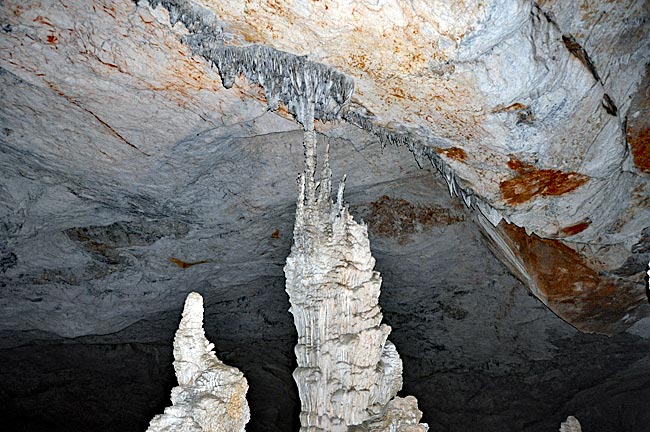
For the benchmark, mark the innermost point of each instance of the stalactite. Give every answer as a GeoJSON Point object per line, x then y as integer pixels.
{"type": "Point", "coordinates": [297, 82]}
{"type": "Point", "coordinates": [348, 372]}
{"type": "Point", "coordinates": [304, 85]}
{"type": "Point", "coordinates": [210, 396]}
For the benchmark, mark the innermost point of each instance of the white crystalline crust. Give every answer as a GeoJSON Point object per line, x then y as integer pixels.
{"type": "Point", "coordinates": [348, 372]}
{"type": "Point", "coordinates": [210, 395]}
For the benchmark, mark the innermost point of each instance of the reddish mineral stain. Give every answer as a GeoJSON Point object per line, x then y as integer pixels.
{"type": "Point", "coordinates": [455, 153]}
{"type": "Point", "coordinates": [183, 264]}
{"type": "Point", "coordinates": [575, 229]}
{"type": "Point", "coordinates": [578, 293]}
{"type": "Point", "coordinates": [640, 143]}
{"type": "Point", "coordinates": [530, 182]}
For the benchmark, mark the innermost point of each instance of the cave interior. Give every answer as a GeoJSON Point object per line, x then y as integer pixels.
{"type": "Point", "coordinates": [504, 185]}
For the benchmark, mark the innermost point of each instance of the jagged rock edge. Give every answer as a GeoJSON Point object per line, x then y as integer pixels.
{"type": "Point", "coordinates": [295, 81]}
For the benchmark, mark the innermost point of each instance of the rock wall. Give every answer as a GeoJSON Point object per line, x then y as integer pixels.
{"type": "Point", "coordinates": [115, 138]}
{"type": "Point", "coordinates": [210, 397]}
{"type": "Point", "coordinates": [522, 107]}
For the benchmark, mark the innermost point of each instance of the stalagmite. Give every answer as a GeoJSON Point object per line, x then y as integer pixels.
{"type": "Point", "coordinates": [210, 395]}
{"type": "Point", "coordinates": [570, 425]}
{"type": "Point", "coordinates": [348, 372]}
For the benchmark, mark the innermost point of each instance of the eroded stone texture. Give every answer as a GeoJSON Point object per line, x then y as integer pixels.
{"type": "Point", "coordinates": [348, 372]}
{"type": "Point", "coordinates": [494, 79]}
{"type": "Point", "coordinates": [210, 397]}
{"type": "Point", "coordinates": [109, 121]}
{"type": "Point", "coordinates": [89, 223]}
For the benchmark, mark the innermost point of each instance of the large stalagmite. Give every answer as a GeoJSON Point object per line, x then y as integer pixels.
{"type": "Point", "coordinates": [348, 372]}
{"type": "Point", "coordinates": [210, 397]}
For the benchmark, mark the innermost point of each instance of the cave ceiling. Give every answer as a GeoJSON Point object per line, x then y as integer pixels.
{"type": "Point", "coordinates": [130, 175]}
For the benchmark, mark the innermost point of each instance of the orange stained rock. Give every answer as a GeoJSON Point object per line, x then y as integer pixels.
{"type": "Point", "coordinates": [584, 297]}
{"type": "Point", "coordinates": [639, 141]}
{"type": "Point", "coordinates": [455, 153]}
{"type": "Point", "coordinates": [512, 107]}
{"type": "Point", "coordinates": [39, 19]}
{"type": "Point", "coordinates": [398, 218]}
{"type": "Point", "coordinates": [531, 182]}
{"type": "Point", "coordinates": [575, 229]}
{"type": "Point", "coordinates": [183, 264]}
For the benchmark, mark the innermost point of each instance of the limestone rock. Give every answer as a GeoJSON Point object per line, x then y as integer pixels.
{"type": "Point", "coordinates": [110, 118]}
{"type": "Point", "coordinates": [347, 370]}
{"type": "Point", "coordinates": [210, 395]}
{"type": "Point", "coordinates": [501, 152]}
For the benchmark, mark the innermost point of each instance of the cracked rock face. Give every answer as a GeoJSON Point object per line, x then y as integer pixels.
{"type": "Point", "coordinates": [210, 395]}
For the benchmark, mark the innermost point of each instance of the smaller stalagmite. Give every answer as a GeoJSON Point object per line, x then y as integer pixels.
{"type": "Point", "coordinates": [348, 372]}
{"type": "Point", "coordinates": [570, 425]}
{"type": "Point", "coordinates": [210, 395]}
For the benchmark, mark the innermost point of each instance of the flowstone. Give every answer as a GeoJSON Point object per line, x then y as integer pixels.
{"type": "Point", "coordinates": [210, 397]}
{"type": "Point", "coordinates": [348, 372]}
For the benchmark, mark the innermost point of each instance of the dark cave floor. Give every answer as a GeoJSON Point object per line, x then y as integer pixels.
{"type": "Point", "coordinates": [479, 351]}
{"type": "Point", "coordinates": [99, 385]}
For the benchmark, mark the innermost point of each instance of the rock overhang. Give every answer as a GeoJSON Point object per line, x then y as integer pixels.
{"type": "Point", "coordinates": [496, 95]}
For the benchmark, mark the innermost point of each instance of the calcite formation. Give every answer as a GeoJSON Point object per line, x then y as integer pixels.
{"type": "Point", "coordinates": [210, 397]}
{"type": "Point", "coordinates": [501, 81]}
{"type": "Point", "coordinates": [348, 372]}
{"type": "Point", "coordinates": [570, 425]}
